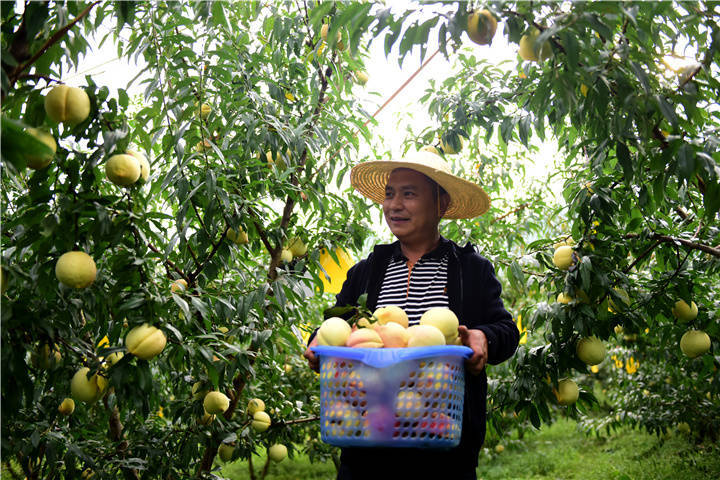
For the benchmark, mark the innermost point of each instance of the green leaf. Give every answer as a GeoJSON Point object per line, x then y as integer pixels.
{"type": "Point", "coordinates": [686, 162]}
{"type": "Point", "coordinates": [667, 110]}
{"type": "Point", "coordinates": [641, 76]}
{"type": "Point", "coordinates": [125, 13]}
{"type": "Point", "coordinates": [623, 156]}
{"type": "Point", "coordinates": [17, 144]}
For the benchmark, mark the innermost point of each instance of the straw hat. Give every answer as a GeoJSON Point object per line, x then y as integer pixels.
{"type": "Point", "coordinates": [467, 199]}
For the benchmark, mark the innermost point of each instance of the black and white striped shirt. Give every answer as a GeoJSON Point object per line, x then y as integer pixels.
{"type": "Point", "coordinates": [417, 291]}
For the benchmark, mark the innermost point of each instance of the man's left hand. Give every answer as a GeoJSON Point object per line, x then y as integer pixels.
{"type": "Point", "coordinates": [476, 340]}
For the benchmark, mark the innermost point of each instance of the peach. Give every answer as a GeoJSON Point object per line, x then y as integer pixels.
{"type": "Point", "coordinates": [425, 336]}
{"type": "Point", "coordinates": [364, 338]}
{"type": "Point", "coordinates": [391, 313]}
{"type": "Point", "coordinates": [567, 392]}
{"type": "Point", "coordinates": [334, 332]}
{"type": "Point", "coordinates": [393, 335]}
{"type": "Point", "coordinates": [216, 402]}
{"type": "Point", "coordinates": [590, 350]}
{"type": "Point", "coordinates": [365, 323]}
{"type": "Point", "coordinates": [444, 320]}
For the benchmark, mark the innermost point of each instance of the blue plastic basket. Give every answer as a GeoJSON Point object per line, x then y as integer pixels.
{"type": "Point", "coordinates": [392, 397]}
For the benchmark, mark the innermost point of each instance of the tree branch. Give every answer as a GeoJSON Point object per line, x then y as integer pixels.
{"type": "Point", "coordinates": [301, 420]}
{"type": "Point", "coordinates": [642, 255]}
{"type": "Point", "coordinates": [686, 243]}
{"type": "Point", "coordinates": [265, 469]}
{"type": "Point", "coordinates": [251, 468]}
{"type": "Point", "coordinates": [13, 77]}
{"type": "Point", "coordinates": [521, 207]}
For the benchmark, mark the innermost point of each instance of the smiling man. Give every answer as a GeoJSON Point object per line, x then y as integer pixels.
{"type": "Point", "coordinates": [419, 271]}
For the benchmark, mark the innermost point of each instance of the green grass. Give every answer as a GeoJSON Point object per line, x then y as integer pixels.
{"type": "Point", "coordinates": [562, 452]}
{"type": "Point", "coordinates": [297, 468]}
{"type": "Point", "coordinates": [556, 452]}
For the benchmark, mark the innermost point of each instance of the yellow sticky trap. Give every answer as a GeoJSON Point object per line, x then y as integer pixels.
{"type": "Point", "coordinates": [105, 342]}
{"type": "Point", "coordinates": [523, 331]}
{"type": "Point", "coordinates": [337, 272]}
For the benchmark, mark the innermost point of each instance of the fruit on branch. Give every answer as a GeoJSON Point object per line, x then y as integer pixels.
{"type": "Point", "coordinates": [590, 350]}
{"type": "Point", "coordinates": [528, 50]}
{"type": "Point", "coordinates": [612, 308]}
{"type": "Point", "coordinates": [144, 165]}
{"type": "Point", "coordinates": [113, 358]}
{"type": "Point", "coordinates": [203, 146]}
{"type": "Point", "coordinates": [86, 389]}
{"type": "Point", "coordinates": [391, 313]}
{"type": "Point", "coordinates": [361, 78]}
{"type": "Point", "coordinates": [239, 237]}
{"type": "Point", "coordinates": [695, 343]}
{"type": "Point", "coordinates": [277, 452]}
{"type": "Point", "coordinates": [204, 110]}
{"type": "Point", "coordinates": [286, 255]}
{"type": "Point", "coordinates": [564, 298]}
{"type": "Point", "coordinates": [431, 149]}
{"type": "Point", "coordinates": [444, 320]}
{"type": "Point", "coordinates": [333, 332]}
{"type": "Point", "coordinates": [325, 29]}
{"type": "Point", "coordinates": [297, 247]}
{"type": "Point", "coordinates": [448, 149]}
{"type": "Point", "coordinates": [225, 452]}
{"type": "Point", "coordinates": [684, 312]}
{"type": "Point", "coordinates": [65, 104]}
{"type": "Point", "coordinates": [206, 419]}
{"type": "Point", "coordinates": [481, 27]}
{"type": "Point", "coordinates": [67, 407]}
{"type": "Point", "coordinates": [145, 341]}
{"type": "Point", "coordinates": [123, 169]}
{"type": "Point", "coordinates": [198, 391]}
{"type": "Point", "coordinates": [76, 269]}
{"type": "Point", "coordinates": [567, 392]}
{"type": "Point", "coordinates": [278, 160]}
{"type": "Point", "coordinates": [364, 338]}
{"type": "Point", "coordinates": [47, 357]}
{"type": "Point", "coordinates": [260, 422]}
{"type": "Point", "coordinates": [38, 162]}
{"type": "Point", "coordinates": [425, 336]}
{"type": "Point", "coordinates": [216, 402]}
{"type": "Point", "coordinates": [179, 285]}
{"type": "Point", "coordinates": [255, 405]}
{"type": "Point", "coordinates": [564, 257]}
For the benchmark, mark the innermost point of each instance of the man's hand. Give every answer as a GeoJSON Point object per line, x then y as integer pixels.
{"type": "Point", "coordinates": [476, 340]}
{"type": "Point", "coordinates": [313, 360]}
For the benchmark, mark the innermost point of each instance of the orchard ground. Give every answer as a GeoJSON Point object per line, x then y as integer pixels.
{"type": "Point", "coordinates": [558, 451]}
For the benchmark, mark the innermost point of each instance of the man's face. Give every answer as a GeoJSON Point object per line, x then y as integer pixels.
{"type": "Point", "coordinates": [410, 208]}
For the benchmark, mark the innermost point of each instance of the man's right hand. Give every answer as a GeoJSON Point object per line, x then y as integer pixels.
{"type": "Point", "coordinates": [313, 360]}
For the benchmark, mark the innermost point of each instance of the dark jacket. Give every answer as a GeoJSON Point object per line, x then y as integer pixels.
{"type": "Point", "coordinates": [474, 296]}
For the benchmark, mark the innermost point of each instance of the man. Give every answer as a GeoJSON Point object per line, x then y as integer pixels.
{"type": "Point", "coordinates": [423, 270]}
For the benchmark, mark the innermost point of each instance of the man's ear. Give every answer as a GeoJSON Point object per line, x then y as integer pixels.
{"type": "Point", "coordinates": [443, 204]}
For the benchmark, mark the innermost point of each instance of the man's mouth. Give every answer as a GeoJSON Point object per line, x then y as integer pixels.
{"type": "Point", "coordinates": [399, 219]}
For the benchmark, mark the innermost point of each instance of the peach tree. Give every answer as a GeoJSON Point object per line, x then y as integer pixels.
{"type": "Point", "coordinates": [628, 92]}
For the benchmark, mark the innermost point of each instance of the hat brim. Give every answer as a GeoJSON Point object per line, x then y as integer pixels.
{"type": "Point", "coordinates": [467, 199]}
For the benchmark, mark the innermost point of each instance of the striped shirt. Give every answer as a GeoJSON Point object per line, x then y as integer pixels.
{"type": "Point", "coordinates": [418, 290]}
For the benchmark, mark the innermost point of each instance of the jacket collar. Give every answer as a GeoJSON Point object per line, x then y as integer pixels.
{"type": "Point", "coordinates": [439, 252]}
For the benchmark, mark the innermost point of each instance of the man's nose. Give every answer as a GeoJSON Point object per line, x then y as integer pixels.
{"type": "Point", "coordinates": [395, 202]}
